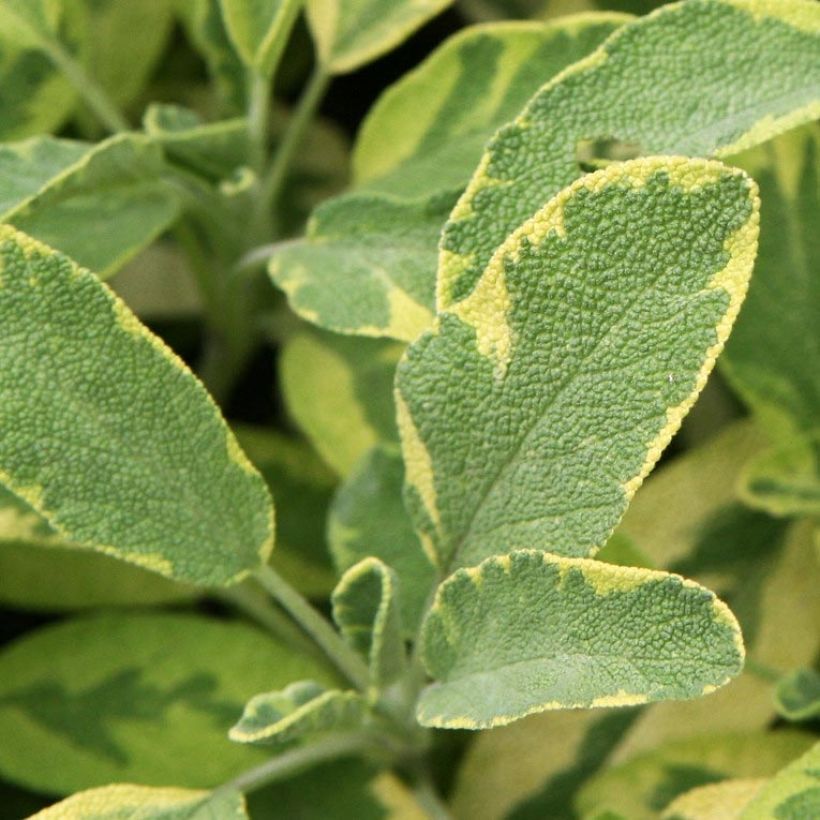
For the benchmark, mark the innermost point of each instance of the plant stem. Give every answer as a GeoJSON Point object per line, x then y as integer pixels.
{"type": "Point", "coordinates": [271, 187]}
{"type": "Point", "coordinates": [342, 656]}
{"type": "Point", "coordinates": [94, 95]}
{"type": "Point", "coordinates": [259, 88]}
{"type": "Point", "coordinates": [296, 760]}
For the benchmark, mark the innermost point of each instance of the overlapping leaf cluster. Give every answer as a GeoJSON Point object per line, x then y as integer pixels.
{"type": "Point", "coordinates": [549, 236]}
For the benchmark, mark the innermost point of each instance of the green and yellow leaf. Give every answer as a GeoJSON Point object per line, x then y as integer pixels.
{"type": "Point", "coordinates": [637, 89]}
{"type": "Point", "coordinates": [585, 343]}
{"type": "Point", "coordinates": [366, 609]}
{"type": "Point", "coordinates": [644, 786]}
{"type": "Point", "coordinates": [147, 698]}
{"type": "Point", "coordinates": [109, 437]}
{"type": "Point", "coordinates": [716, 801]}
{"type": "Point", "coordinates": [367, 518]}
{"type": "Point", "coordinates": [339, 391]}
{"type": "Point", "coordinates": [350, 33]}
{"type": "Point", "coordinates": [55, 190]}
{"type": "Point", "coordinates": [527, 632]}
{"type": "Point", "coordinates": [145, 803]}
{"type": "Point", "coordinates": [259, 29]}
{"type": "Point", "coordinates": [427, 132]}
{"type": "Point", "coordinates": [792, 794]}
{"type": "Point", "coordinates": [797, 695]}
{"type": "Point", "coordinates": [366, 265]}
{"type": "Point", "coordinates": [300, 710]}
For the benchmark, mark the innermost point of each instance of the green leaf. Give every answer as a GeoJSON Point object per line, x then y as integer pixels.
{"type": "Point", "coordinates": [637, 88]}
{"type": "Point", "coordinates": [527, 632]}
{"type": "Point", "coordinates": [214, 150]}
{"type": "Point", "coordinates": [205, 28]}
{"type": "Point", "coordinates": [301, 709]}
{"type": "Point", "coordinates": [144, 803]}
{"type": "Point", "coordinates": [586, 342]}
{"type": "Point", "coordinates": [109, 437]}
{"type": "Point", "coordinates": [786, 479]}
{"type": "Point", "coordinates": [792, 794]}
{"type": "Point", "coordinates": [367, 518]}
{"type": "Point", "coordinates": [797, 696]}
{"type": "Point", "coordinates": [366, 265]}
{"type": "Point", "coordinates": [302, 487]}
{"type": "Point", "coordinates": [427, 132]}
{"type": "Point", "coordinates": [259, 29]}
{"type": "Point", "coordinates": [339, 391]}
{"type": "Point", "coordinates": [147, 698]}
{"type": "Point", "coordinates": [520, 772]}
{"type": "Point", "coordinates": [717, 800]}
{"type": "Point", "coordinates": [773, 358]}
{"type": "Point", "coordinates": [350, 33]}
{"type": "Point", "coordinates": [366, 609]}
{"type": "Point", "coordinates": [643, 787]}
{"type": "Point", "coordinates": [98, 204]}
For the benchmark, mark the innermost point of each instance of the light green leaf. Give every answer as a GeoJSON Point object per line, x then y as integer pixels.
{"type": "Point", "coordinates": [427, 132]}
{"type": "Point", "coordinates": [520, 772]}
{"type": "Point", "coordinates": [366, 609]}
{"type": "Point", "coordinates": [773, 358]}
{"type": "Point", "coordinates": [302, 487]}
{"type": "Point", "coordinates": [797, 695]}
{"type": "Point", "coordinates": [259, 29]}
{"type": "Point", "coordinates": [717, 801]}
{"type": "Point", "coordinates": [350, 33]}
{"type": "Point", "coordinates": [205, 28]}
{"type": "Point", "coordinates": [586, 342]}
{"type": "Point", "coordinates": [40, 571]}
{"type": "Point", "coordinates": [527, 632]}
{"type": "Point", "coordinates": [637, 88]}
{"type": "Point", "coordinates": [339, 392]}
{"type": "Point", "coordinates": [367, 517]}
{"type": "Point", "coordinates": [109, 437]}
{"type": "Point", "coordinates": [98, 204]}
{"type": "Point", "coordinates": [214, 150]}
{"type": "Point", "coordinates": [785, 480]}
{"type": "Point", "coordinates": [301, 709]}
{"type": "Point", "coordinates": [31, 22]}
{"type": "Point", "coordinates": [366, 266]}
{"type": "Point", "coordinates": [147, 698]}
{"type": "Point", "coordinates": [119, 802]}
{"type": "Point", "coordinates": [644, 786]}
{"type": "Point", "coordinates": [793, 794]}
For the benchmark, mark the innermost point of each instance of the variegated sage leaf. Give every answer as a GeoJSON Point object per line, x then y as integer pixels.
{"type": "Point", "coordinates": [533, 410]}
{"type": "Point", "coordinates": [109, 437]}
{"type": "Point", "coordinates": [637, 90]}
{"type": "Point", "coordinates": [527, 632]}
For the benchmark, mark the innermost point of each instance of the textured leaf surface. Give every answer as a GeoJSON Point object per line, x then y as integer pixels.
{"type": "Point", "coordinates": [797, 695]}
{"type": "Point", "coordinates": [366, 609]}
{"type": "Point", "coordinates": [427, 132]}
{"type": "Point", "coordinates": [109, 437]}
{"type": "Point", "coordinates": [144, 803]}
{"type": "Point", "coordinates": [301, 709]}
{"type": "Point", "coordinates": [773, 359]}
{"type": "Point", "coordinates": [302, 487]}
{"type": "Point", "coordinates": [258, 29]}
{"type": "Point", "coordinates": [645, 785]}
{"type": "Point", "coordinates": [145, 698]}
{"type": "Point", "coordinates": [638, 88]}
{"type": "Point", "coordinates": [366, 266]}
{"type": "Point", "coordinates": [586, 342]}
{"type": "Point", "coordinates": [717, 801]}
{"type": "Point", "coordinates": [339, 391]}
{"type": "Point", "coordinates": [349, 33]}
{"type": "Point", "coordinates": [527, 632]}
{"type": "Point", "coordinates": [40, 571]}
{"type": "Point", "coordinates": [367, 518]}
{"type": "Point", "coordinates": [100, 209]}
{"type": "Point", "coordinates": [792, 794]}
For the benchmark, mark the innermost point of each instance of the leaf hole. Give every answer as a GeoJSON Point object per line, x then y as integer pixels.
{"type": "Point", "coordinates": [594, 153]}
